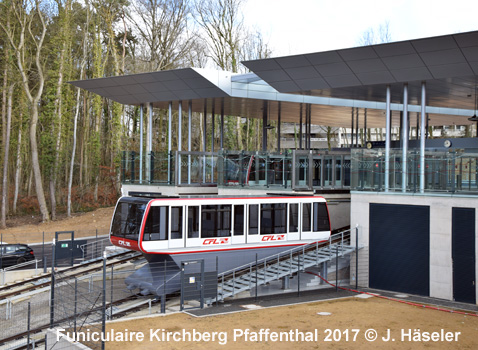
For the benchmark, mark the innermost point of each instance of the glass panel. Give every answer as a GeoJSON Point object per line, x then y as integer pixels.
{"type": "Point", "coordinates": [216, 221]}
{"type": "Point", "coordinates": [338, 171]}
{"type": "Point", "coordinates": [273, 218]}
{"type": "Point", "coordinates": [321, 217]}
{"type": "Point", "coordinates": [127, 220]}
{"type": "Point", "coordinates": [294, 217]}
{"type": "Point", "coordinates": [306, 207]}
{"type": "Point", "coordinates": [253, 219]}
{"type": "Point", "coordinates": [193, 222]}
{"type": "Point", "coordinates": [316, 180]}
{"type": "Point", "coordinates": [328, 171]}
{"type": "Point", "coordinates": [176, 222]}
{"type": "Point", "coordinates": [156, 227]}
{"type": "Point", "coordinates": [238, 220]}
{"type": "Point", "coordinates": [346, 172]}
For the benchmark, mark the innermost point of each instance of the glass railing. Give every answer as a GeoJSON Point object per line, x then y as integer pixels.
{"type": "Point", "coordinates": [454, 171]}
{"type": "Point", "coordinates": [292, 170]}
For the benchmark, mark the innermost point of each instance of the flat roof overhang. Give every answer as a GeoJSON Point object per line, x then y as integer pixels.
{"type": "Point", "coordinates": [448, 64]}
{"type": "Point", "coordinates": [333, 82]}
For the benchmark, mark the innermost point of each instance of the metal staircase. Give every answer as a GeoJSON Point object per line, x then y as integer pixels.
{"type": "Point", "coordinates": [281, 265]}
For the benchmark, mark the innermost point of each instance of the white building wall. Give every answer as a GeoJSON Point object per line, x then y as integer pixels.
{"type": "Point", "coordinates": [441, 265]}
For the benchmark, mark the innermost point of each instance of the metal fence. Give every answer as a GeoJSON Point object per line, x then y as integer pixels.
{"type": "Point", "coordinates": [80, 306]}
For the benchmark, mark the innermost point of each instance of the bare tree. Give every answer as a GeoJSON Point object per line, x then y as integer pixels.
{"type": "Point", "coordinates": [77, 108]}
{"type": "Point", "coordinates": [31, 30]}
{"type": "Point", "coordinates": [224, 27]}
{"type": "Point", "coordinates": [162, 27]}
{"type": "Point", "coordinates": [379, 35]}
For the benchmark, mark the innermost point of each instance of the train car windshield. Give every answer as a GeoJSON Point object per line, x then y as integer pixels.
{"type": "Point", "coordinates": [128, 217]}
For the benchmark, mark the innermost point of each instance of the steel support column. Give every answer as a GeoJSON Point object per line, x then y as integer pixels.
{"type": "Point", "coordinates": [149, 150]}
{"type": "Point", "coordinates": [222, 124]}
{"type": "Point", "coordinates": [264, 124]}
{"type": "Point", "coordinates": [190, 112]}
{"type": "Point", "coordinates": [300, 127]}
{"type": "Point", "coordinates": [180, 140]}
{"type": "Point", "coordinates": [422, 138]}
{"type": "Point", "coordinates": [365, 126]}
{"type": "Point", "coordinates": [405, 138]}
{"type": "Point", "coordinates": [204, 141]}
{"type": "Point", "coordinates": [388, 136]}
{"type": "Point", "coordinates": [357, 128]}
{"type": "Point", "coordinates": [213, 121]}
{"type": "Point", "coordinates": [278, 126]}
{"type": "Point", "coordinates": [352, 127]}
{"type": "Point", "coordinates": [170, 139]}
{"type": "Point", "coordinates": [180, 127]}
{"type": "Point", "coordinates": [141, 143]}
{"type": "Point", "coordinates": [205, 127]}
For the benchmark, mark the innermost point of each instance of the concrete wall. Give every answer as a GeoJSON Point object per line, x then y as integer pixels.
{"type": "Point", "coordinates": [441, 265]}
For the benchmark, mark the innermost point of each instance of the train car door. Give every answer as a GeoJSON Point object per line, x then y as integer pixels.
{"type": "Point", "coordinates": [293, 234]}
{"type": "Point", "coordinates": [238, 224]}
{"type": "Point", "coordinates": [253, 224]}
{"type": "Point", "coordinates": [306, 225]}
{"type": "Point", "coordinates": [193, 222]}
{"type": "Point", "coordinates": [176, 225]}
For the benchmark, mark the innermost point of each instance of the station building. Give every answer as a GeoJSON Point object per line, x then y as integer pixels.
{"type": "Point", "coordinates": [413, 199]}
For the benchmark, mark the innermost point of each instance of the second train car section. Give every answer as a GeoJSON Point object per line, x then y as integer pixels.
{"type": "Point", "coordinates": [192, 225]}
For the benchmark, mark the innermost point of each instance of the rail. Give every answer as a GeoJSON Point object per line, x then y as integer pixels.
{"type": "Point", "coordinates": [17, 266]}
{"type": "Point", "coordinates": [283, 264]}
{"type": "Point", "coordinates": [293, 251]}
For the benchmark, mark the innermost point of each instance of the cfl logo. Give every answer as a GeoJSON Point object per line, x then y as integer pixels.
{"type": "Point", "coordinates": [213, 241]}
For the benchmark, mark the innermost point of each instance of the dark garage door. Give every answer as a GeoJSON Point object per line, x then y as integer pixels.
{"type": "Point", "coordinates": [400, 248]}
{"type": "Point", "coordinates": [463, 254]}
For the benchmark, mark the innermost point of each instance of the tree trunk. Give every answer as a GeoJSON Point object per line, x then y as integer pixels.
{"type": "Point", "coordinates": [3, 222]}
{"type": "Point", "coordinates": [18, 167]}
{"type": "Point", "coordinates": [36, 164]}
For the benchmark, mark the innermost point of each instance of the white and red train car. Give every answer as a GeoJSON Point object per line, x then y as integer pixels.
{"type": "Point", "coordinates": [231, 230]}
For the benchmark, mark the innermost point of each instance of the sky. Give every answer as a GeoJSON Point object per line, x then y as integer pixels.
{"type": "Point", "coordinates": [301, 26]}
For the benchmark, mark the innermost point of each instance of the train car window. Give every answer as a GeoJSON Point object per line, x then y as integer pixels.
{"type": "Point", "coordinates": [273, 218]}
{"type": "Point", "coordinates": [306, 208]}
{"type": "Point", "coordinates": [193, 222]}
{"type": "Point", "coordinates": [294, 217]}
{"type": "Point", "coordinates": [253, 219]}
{"type": "Point", "coordinates": [156, 226]}
{"type": "Point", "coordinates": [127, 220]}
{"type": "Point", "coordinates": [238, 220]}
{"type": "Point", "coordinates": [321, 217]}
{"type": "Point", "coordinates": [216, 221]}
{"type": "Point", "coordinates": [176, 222]}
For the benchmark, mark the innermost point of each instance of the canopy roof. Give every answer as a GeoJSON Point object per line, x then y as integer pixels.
{"type": "Point", "coordinates": [332, 81]}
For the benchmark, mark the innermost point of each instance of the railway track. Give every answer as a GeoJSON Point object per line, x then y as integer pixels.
{"type": "Point", "coordinates": [44, 280]}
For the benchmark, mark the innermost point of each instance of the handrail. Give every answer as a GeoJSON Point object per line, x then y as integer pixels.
{"type": "Point", "coordinates": [303, 247]}
{"type": "Point", "coordinates": [26, 263]}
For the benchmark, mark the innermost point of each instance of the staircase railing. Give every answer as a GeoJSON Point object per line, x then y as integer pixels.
{"type": "Point", "coordinates": [285, 263]}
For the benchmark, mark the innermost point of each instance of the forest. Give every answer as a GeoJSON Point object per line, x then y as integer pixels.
{"type": "Point", "coordinates": [61, 146]}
